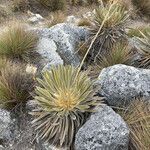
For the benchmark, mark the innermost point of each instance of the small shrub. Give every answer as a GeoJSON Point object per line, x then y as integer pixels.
{"type": "Point", "coordinates": [17, 43]}
{"type": "Point", "coordinates": [15, 85]}
{"type": "Point", "coordinates": [54, 5]}
{"type": "Point", "coordinates": [55, 18]}
{"type": "Point", "coordinates": [114, 18]}
{"type": "Point", "coordinates": [118, 55]}
{"type": "Point", "coordinates": [143, 6]}
{"type": "Point", "coordinates": [137, 116]}
{"type": "Point", "coordinates": [65, 102]}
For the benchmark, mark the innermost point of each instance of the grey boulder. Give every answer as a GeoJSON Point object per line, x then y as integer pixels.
{"type": "Point", "coordinates": [105, 130]}
{"type": "Point", "coordinates": [47, 50]}
{"type": "Point", "coordinates": [63, 38]}
{"type": "Point", "coordinates": [120, 84]}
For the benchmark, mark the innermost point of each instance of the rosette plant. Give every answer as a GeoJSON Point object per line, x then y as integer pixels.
{"type": "Point", "coordinates": [64, 100]}
{"type": "Point", "coordinates": [111, 19]}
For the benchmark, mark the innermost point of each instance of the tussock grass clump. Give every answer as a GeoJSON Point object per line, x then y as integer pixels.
{"type": "Point", "coordinates": [143, 6]}
{"type": "Point", "coordinates": [15, 85]}
{"type": "Point", "coordinates": [112, 18]}
{"type": "Point", "coordinates": [54, 5]}
{"type": "Point", "coordinates": [17, 43]}
{"type": "Point", "coordinates": [120, 54]}
{"type": "Point", "coordinates": [65, 101]}
{"type": "Point", "coordinates": [137, 116]}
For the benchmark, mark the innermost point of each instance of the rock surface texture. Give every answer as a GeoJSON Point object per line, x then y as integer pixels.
{"type": "Point", "coordinates": [105, 130]}
{"type": "Point", "coordinates": [5, 122]}
{"type": "Point", "coordinates": [58, 44]}
{"type": "Point", "coordinates": [47, 49]}
{"type": "Point", "coordinates": [121, 83]}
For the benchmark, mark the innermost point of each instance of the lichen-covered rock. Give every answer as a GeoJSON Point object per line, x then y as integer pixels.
{"type": "Point", "coordinates": [121, 83]}
{"type": "Point", "coordinates": [66, 38]}
{"type": "Point", "coordinates": [5, 122]}
{"type": "Point", "coordinates": [105, 130]}
{"type": "Point", "coordinates": [47, 50]}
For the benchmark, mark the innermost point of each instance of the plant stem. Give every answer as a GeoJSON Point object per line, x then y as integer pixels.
{"type": "Point", "coordinates": [92, 42]}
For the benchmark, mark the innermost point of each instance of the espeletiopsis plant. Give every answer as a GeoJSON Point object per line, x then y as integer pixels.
{"type": "Point", "coordinates": [64, 99]}
{"type": "Point", "coordinates": [15, 85]}
{"type": "Point", "coordinates": [110, 20]}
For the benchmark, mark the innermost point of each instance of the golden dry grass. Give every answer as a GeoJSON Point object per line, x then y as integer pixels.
{"type": "Point", "coordinates": [137, 116]}
{"type": "Point", "coordinates": [15, 85]}
{"type": "Point", "coordinates": [16, 42]}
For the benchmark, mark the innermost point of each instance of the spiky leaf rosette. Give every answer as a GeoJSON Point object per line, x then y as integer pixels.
{"type": "Point", "coordinates": [144, 43]}
{"type": "Point", "coordinates": [65, 103]}
{"type": "Point", "coordinates": [15, 85]}
{"type": "Point", "coordinates": [137, 116]}
{"type": "Point", "coordinates": [112, 29]}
